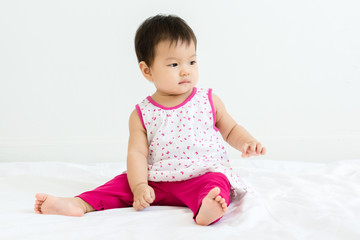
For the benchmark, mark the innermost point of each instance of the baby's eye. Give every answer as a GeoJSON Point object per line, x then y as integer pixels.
{"type": "Point", "coordinates": [192, 62]}
{"type": "Point", "coordinates": [173, 65]}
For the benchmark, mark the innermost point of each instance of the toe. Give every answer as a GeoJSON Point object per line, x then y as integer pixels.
{"type": "Point", "coordinates": [41, 197]}
{"type": "Point", "coordinates": [214, 192]}
{"type": "Point", "coordinates": [37, 210]}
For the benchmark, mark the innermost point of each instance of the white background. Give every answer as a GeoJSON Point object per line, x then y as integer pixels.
{"type": "Point", "coordinates": [288, 71]}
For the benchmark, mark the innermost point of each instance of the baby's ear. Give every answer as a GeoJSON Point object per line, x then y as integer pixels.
{"type": "Point", "coordinates": [145, 70]}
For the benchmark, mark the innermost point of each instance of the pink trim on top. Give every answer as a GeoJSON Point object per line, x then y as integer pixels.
{"type": "Point", "coordinates": [212, 108]}
{"type": "Point", "coordinates": [140, 115]}
{"type": "Point", "coordinates": [175, 107]}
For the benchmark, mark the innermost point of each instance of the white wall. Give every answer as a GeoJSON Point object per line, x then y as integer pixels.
{"type": "Point", "coordinates": [288, 71]}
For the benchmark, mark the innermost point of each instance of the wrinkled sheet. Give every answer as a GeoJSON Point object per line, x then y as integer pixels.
{"type": "Point", "coordinates": [290, 200]}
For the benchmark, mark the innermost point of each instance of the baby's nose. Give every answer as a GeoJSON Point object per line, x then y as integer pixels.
{"type": "Point", "coordinates": [184, 71]}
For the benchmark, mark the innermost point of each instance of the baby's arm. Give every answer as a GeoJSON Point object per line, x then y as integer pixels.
{"type": "Point", "coordinates": [137, 169]}
{"type": "Point", "coordinates": [234, 134]}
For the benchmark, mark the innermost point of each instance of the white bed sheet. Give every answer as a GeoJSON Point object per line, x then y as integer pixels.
{"type": "Point", "coordinates": [291, 200]}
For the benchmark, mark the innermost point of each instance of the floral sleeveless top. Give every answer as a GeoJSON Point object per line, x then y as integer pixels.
{"type": "Point", "coordinates": [184, 142]}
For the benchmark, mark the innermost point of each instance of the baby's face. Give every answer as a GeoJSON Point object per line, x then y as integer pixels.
{"type": "Point", "coordinates": [174, 69]}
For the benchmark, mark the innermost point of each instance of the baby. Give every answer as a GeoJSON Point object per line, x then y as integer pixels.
{"type": "Point", "coordinates": [176, 154]}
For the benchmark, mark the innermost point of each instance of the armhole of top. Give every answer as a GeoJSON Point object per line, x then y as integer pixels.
{"type": "Point", "coordinates": [140, 115]}
{"type": "Point", "coordinates": [212, 109]}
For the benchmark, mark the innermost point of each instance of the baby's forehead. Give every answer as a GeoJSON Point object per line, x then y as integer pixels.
{"type": "Point", "coordinates": [174, 43]}
{"type": "Point", "coordinates": [180, 47]}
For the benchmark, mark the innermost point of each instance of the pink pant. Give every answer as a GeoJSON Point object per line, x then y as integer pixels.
{"type": "Point", "coordinates": [117, 194]}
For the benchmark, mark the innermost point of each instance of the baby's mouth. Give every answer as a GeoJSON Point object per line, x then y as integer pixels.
{"type": "Point", "coordinates": [184, 81]}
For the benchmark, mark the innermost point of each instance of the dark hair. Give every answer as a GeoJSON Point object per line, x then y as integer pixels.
{"type": "Point", "coordinates": [159, 28]}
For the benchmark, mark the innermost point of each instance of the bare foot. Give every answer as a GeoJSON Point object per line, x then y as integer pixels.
{"type": "Point", "coordinates": [212, 208]}
{"type": "Point", "coordinates": [47, 204]}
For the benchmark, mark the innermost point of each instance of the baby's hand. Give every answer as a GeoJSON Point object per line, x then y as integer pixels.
{"type": "Point", "coordinates": [144, 195]}
{"type": "Point", "coordinates": [252, 148]}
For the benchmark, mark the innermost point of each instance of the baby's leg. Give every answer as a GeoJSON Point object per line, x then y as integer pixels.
{"type": "Point", "coordinates": [47, 204]}
{"type": "Point", "coordinates": [213, 207]}
{"type": "Point", "coordinates": [207, 196]}
{"type": "Point", "coordinates": [113, 194]}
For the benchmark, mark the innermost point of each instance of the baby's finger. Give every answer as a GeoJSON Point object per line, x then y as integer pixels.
{"type": "Point", "coordinates": [152, 195]}
{"type": "Point", "coordinates": [147, 197]}
{"type": "Point", "coordinates": [137, 206]}
{"type": "Point", "coordinates": [144, 203]}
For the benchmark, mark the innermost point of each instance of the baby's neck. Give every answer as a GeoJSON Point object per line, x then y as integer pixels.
{"type": "Point", "coordinates": [170, 100]}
